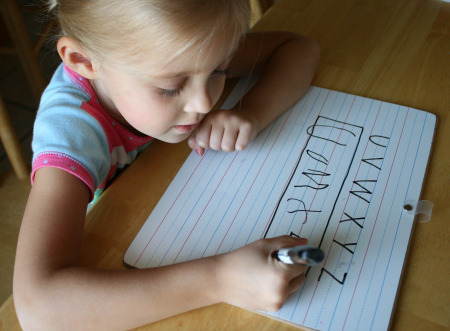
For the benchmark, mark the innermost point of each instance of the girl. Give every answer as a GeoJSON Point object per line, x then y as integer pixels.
{"type": "Point", "coordinates": [132, 71]}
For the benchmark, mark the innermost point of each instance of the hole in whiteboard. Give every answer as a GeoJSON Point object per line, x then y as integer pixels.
{"type": "Point", "coordinates": [407, 207]}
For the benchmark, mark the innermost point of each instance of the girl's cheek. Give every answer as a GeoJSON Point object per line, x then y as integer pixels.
{"type": "Point", "coordinates": [218, 90]}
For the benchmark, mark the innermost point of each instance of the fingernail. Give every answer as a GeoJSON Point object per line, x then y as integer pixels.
{"type": "Point", "coordinates": [199, 151]}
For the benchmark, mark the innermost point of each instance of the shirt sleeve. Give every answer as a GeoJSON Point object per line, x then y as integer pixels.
{"type": "Point", "coordinates": [67, 137]}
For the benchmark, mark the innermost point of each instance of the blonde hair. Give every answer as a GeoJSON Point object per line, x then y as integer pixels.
{"type": "Point", "coordinates": [123, 29]}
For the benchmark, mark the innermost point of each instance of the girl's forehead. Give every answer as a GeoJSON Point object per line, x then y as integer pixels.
{"type": "Point", "coordinates": [197, 58]}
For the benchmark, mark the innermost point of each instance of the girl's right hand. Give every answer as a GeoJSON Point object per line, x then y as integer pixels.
{"type": "Point", "coordinates": [251, 278]}
{"type": "Point", "coordinates": [224, 130]}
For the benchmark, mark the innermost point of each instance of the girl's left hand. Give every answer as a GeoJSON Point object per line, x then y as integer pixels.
{"type": "Point", "coordinates": [225, 130]}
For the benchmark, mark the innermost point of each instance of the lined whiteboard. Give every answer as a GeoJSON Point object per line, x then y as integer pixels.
{"type": "Point", "coordinates": [336, 169]}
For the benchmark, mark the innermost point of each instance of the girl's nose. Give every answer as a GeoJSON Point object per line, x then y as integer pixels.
{"type": "Point", "coordinates": [199, 101]}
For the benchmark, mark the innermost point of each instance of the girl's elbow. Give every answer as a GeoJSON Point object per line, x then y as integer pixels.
{"type": "Point", "coordinates": [27, 306]}
{"type": "Point", "coordinates": [31, 304]}
{"type": "Point", "coordinates": [311, 50]}
{"type": "Point", "coordinates": [307, 48]}
{"type": "Point", "coordinates": [25, 310]}
{"type": "Point", "coordinates": [315, 49]}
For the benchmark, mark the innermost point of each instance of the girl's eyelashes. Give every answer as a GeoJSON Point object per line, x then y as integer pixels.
{"type": "Point", "coordinates": [176, 92]}
{"type": "Point", "coordinates": [225, 72]}
{"type": "Point", "coordinates": [169, 93]}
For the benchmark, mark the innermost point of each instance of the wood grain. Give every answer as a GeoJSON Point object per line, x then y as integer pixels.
{"type": "Point", "coordinates": [395, 51]}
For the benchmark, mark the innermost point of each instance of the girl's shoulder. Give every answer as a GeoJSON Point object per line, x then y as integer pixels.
{"type": "Point", "coordinates": [66, 89]}
{"type": "Point", "coordinates": [66, 135]}
{"type": "Point", "coordinates": [73, 132]}
{"type": "Point", "coordinates": [65, 112]}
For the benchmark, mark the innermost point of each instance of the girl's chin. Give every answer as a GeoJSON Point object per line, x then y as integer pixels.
{"type": "Point", "coordinates": [174, 138]}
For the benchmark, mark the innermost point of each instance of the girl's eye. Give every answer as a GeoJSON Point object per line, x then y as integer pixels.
{"type": "Point", "coordinates": [225, 72]}
{"type": "Point", "coordinates": [176, 92]}
{"type": "Point", "coordinates": [169, 93]}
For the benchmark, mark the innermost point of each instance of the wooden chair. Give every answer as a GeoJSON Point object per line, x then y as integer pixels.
{"type": "Point", "coordinates": [22, 46]}
{"type": "Point", "coordinates": [11, 144]}
{"type": "Point", "coordinates": [259, 7]}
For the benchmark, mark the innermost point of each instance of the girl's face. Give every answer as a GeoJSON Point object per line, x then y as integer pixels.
{"type": "Point", "coordinates": [166, 101]}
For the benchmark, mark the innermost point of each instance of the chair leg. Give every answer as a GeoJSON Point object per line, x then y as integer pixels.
{"type": "Point", "coordinates": [259, 7]}
{"type": "Point", "coordinates": [19, 35]}
{"type": "Point", "coordinates": [11, 144]}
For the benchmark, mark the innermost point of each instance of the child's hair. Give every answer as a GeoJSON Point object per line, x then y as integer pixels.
{"type": "Point", "coordinates": [125, 29]}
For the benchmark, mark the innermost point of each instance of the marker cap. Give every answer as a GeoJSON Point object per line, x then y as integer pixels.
{"type": "Point", "coordinates": [300, 255]}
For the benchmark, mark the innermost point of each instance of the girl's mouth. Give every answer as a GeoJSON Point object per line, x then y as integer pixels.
{"type": "Point", "coordinates": [185, 128]}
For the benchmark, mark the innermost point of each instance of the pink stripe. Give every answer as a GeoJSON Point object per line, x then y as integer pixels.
{"type": "Point", "coordinates": [116, 133]}
{"type": "Point", "coordinates": [80, 81]}
{"type": "Point", "coordinates": [64, 162]}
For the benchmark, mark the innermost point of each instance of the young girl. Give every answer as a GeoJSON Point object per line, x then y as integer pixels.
{"type": "Point", "coordinates": [134, 71]}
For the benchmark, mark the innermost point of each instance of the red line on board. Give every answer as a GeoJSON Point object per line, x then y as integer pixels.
{"type": "Point", "coordinates": [331, 156]}
{"type": "Point", "coordinates": [148, 243]}
{"type": "Point", "coordinates": [262, 165]}
{"type": "Point", "coordinates": [376, 219]}
{"type": "Point", "coordinates": [293, 170]}
{"type": "Point", "coordinates": [329, 249]}
{"type": "Point", "coordinates": [229, 166]}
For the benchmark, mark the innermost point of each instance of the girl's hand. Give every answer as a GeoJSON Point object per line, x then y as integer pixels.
{"type": "Point", "coordinates": [226, 130]}
{"type": "Point", "coordinates": [251, 278]}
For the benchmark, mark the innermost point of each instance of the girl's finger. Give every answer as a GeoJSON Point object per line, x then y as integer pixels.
{"type": "Point", "coordinates": [202, 136]}
{"type": "Point", "coordinates": [296, 283]}
{"type": "Point", "coordinates": [244, 137]}
{"type": "Point", "coordinates": [216, 136]}
{"type": "Point", "coordinates": [229, 139]}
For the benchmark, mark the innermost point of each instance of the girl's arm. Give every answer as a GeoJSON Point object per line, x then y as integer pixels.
{"type": "Point", "coordinates": [286, 62]}
{"type": "Point", "coordinates": [51, 289]}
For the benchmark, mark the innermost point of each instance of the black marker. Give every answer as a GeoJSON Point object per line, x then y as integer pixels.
{"type": "Point", "coordinates": [300, 255]}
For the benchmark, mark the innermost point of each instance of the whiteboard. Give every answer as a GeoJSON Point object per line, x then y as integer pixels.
{"type": "Point", "coordinates": [337, 169]}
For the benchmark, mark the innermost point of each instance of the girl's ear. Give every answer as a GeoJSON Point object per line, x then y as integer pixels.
{"type": "Point", "coordinates": [76, 58]}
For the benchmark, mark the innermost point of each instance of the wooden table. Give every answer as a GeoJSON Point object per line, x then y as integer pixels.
{"type": "Point", "coordinates": [395, 51]}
